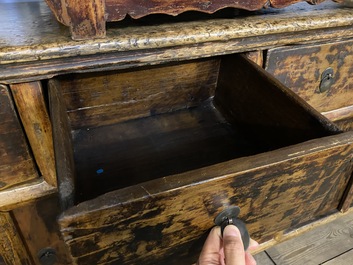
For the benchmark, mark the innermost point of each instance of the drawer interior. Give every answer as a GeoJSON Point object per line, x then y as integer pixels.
{"type": "Point", "coordinates": [127, 127]}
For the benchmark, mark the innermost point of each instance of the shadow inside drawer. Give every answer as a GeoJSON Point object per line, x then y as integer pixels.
{"type": "Point", "coordinates": [119, 129]}
{"type": "Point", "coordinates": [131, 152]}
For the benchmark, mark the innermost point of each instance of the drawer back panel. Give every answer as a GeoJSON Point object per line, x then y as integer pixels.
{"type": "Point", "coordinates": [101, 99]}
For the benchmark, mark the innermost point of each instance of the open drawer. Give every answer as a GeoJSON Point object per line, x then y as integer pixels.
{"type": "Point", "coordinates": [148, 157]}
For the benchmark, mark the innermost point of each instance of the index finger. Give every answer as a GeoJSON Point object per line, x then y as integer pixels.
{"type": "Point", "coordinates": [213, 242]}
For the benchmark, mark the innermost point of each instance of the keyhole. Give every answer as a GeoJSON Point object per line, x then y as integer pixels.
{"type": "Point", "coordinates": [327, 79]}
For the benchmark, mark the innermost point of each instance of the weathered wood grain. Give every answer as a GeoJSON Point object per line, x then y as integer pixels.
{"type": "Point", "coordinates": [302, 230]}
{"type": "Point", "coordinates": [251, 99]}
{"type": "Point", "coordinates": [340, 114]}
{"type": "Point", "coordinates": [182, 122]}
{"type": "Point", "coordinates": [52, 41]}
{"type": "Point", "coordinates": [35, 119]}
{"type": "Point", "coordinates": [345, 124]}
{"type": "Point", "coordinates": [132, 152]}
{"type": "Point", "coordinates": [106, 98]}
{"type": "Point", "coordinates": [300, 68]}
{"type": "Point", "coordinates": [117, 10]}
{"type": "Point", "coordinates": [25, 193]}
{"type": "Point", "coordinates": [317, 246]}
{"type": "Point", "coordinates": [256, 56]}
{"type": "Point", "coordinates": [344, 258]}
{"type": "Point", "coordinates": [32, 71]}
{"type": "Point", "coordinates": [39, 228]}
{"type": "Point", "coordinates": [34, 22]}
{"type": "Point", "coordinates": [342, 117]}
{"type": "Point", "coordinates": [88, 20]}
{"type": "Point", "coordinates": [163, 220]}
{"type": "Point", "coordinates": [16, 163]}
{"type": "Point", "coordinates": [347, 198]}
{"type": "Point", "coordinates": [63, 148]}
{"type": "Point", "coordinates": [263, 259]}
{"type": "Point", "coordinates": [12, 249]}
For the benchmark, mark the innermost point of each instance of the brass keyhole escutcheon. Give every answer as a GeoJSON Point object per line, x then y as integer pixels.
{"type": "Point", "coordinates": [229, 217]}
{"type": "Point", "coordinates": [327, 79]}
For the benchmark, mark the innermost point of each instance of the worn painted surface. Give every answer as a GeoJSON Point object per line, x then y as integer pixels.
{"type": "Point", "coordinates": [301, 68]}
{"type": "Point", "coordinates": [165, 220]}
{"type": "Point", "coordinates": [30, 41]}
{"type": "Point", "coordinates": [118, 9]}
{"type": "Point", "coordinates": [12, 248]}
{"type": "Point", "coordinates": [87, 20]}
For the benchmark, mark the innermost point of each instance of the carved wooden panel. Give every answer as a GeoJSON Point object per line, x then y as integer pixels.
{"type": "Point", "coordinates": [87, 19]}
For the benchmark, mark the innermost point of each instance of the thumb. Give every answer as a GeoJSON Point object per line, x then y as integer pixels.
{"type": "Point", "coordinates": [233, 246]}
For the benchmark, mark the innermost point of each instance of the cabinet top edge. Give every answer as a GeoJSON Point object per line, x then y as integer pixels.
{"type": "Point", "coordinates": [38, 36]}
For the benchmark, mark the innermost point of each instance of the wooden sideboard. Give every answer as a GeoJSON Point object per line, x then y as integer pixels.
{"type": "Point", "coordinates": [124, 149]}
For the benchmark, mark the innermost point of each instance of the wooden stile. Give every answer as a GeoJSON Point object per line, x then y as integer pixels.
{"type": "Point", "coordinates": [33, 112]}
{"type": "Point", "coordinates": [16, 164]}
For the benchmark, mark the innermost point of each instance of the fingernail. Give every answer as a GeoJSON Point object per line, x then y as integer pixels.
{"type": "Point", "coordinates": [231, 230]}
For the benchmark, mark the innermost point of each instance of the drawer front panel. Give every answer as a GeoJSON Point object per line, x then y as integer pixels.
{"type": "Point", "coordinates": [165, 221]}
{"type": "Point", "coordinates": [301, 69]}
{"type": "Point", "coordinates": [16, 163]}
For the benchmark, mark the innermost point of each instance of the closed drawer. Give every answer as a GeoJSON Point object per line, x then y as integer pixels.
{"type": "Point", "coordinates": [305, 68]}
{"type": "Point", "coordinates": [149, 157]}
{"type": "Point", "coordinates": [16, 163]}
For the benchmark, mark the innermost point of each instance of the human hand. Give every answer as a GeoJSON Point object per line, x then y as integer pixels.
{"type": "Point", "coordinates": [228, 250]}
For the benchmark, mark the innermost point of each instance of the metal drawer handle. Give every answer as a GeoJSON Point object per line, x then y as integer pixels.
{"type": "Point", "coordinates": [229, 217]}
{"type": "Point", "coordinates": [327, 79]}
